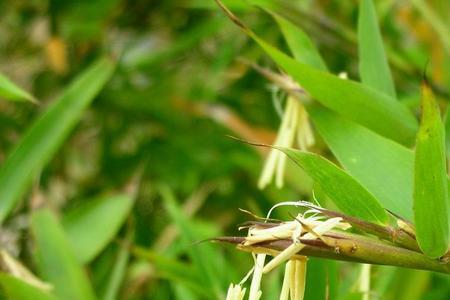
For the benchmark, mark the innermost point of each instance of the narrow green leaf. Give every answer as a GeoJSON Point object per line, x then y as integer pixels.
{"type": "Point", "coordinates": [56, 260]}
{"type": "Point", "coordinates": [353, 100]}
{"type": "Point", "coordinates": [91, 226]}
{"type": "Point", "coordinates": [321, 278]}
{"type": "Point", "coordinates": [10, 91]}
{"type": "Point", "coordinates": [300, 44]}
{"type": "Point", "coordinates": [359, 150]}
{"type": "Point", "coordinates": [174, 270]}
{"type": "Point", "coordinates": [16, 289]}
{"type": "Point", "coordinates": [348, 195]}
{"type": "Point", "coordinates": [447, 131]}
{"type": "Point", "coordinates": [202, 255]}
{"type": "Point", "coordinates": [48, 132]}
{"type": "Point", "coordinates": [431, 207]}
{"type": "Point", "coordinates": [373, 65]}
{"type": "Point", "coordinates": [350, 99]}
{"type": "Point", "coordinates": [434, 19]}
{"type": "Point", "coordinates": [117, 274]}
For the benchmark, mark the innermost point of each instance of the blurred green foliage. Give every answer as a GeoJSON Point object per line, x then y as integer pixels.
{"type": "Point", "coordinates": [154, 141]}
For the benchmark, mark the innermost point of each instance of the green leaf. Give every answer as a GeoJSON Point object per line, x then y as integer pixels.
{"type": "Point", "coordinates": [359, 150]}
{"type": "Point", "coordinates": [174, 270]}
{"type": "Point", "coordinates": [348, 195]}
{"type": "Point", "coordinates": [16, 289]}
{"type": "Point", "coordinates": [447, 131]}
{"type": "Point", "coordinates": [10, 91]}
{"type": "Point", "coordinates": [322, 278]}
{"type": "Point", "coordinates": [351, 99]}
{"type": "Point", "coordinates": [56, 260]}
{"type": "Point", "coordinates": [119, 270]}
{"type": "Point", "coordinates": [373, 65]}
{"type": "Point", "coordinates": [92, 225]}
{"type": "Point", "coordinates": [203, 257]}
{"type": "Point", "coordinates": [435, 20]}
{"type": "Point", "coordinates": [300, 44]}
{"type": "Point", "coordinates": [431, 208]}
{"type": "Point", "coordinates": [47, 133]}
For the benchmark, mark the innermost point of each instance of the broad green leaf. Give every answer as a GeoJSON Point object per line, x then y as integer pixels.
{"type": "Point", "coordinates": [16, 289]}
{"type": "Point", "coordinates": [91, 226]}
{"type": "Point", "coordinates": [10, 91]}
{"type": "Point", "coordinates": [382, 166]}
{"type": "Point", "coordinates": [56, 260]}
{"type": "Point", "coordinates": [431, 208]}
{"type": "Point", "coordinates": [300, 44]}
{"type": "Point", "coordinates": [373, 65]}
{"type": "Point", "coordinates": [47, 133]}
{"type": "Point", "coordinates": [348, 195]}
{"type": "Point", "coordinates": [351, 99]}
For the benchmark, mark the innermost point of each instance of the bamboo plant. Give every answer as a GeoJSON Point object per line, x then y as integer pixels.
{"type": "Point", "coordinates": [391, 188]}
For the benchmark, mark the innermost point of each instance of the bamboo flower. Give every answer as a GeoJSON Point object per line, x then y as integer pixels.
{"type": "Point", "coordinates": [295, 127]}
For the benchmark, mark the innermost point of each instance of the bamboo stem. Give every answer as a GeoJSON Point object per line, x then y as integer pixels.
{"type": "Point", "coordinates": [349, 248]}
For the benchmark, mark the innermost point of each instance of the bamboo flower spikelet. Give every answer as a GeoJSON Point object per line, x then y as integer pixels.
{"type": "Point", "coordinates": [309, 226]}
{"type": "Point", "coordinates": [295, 126]}
{"type": "Point", "coordinates": [327, 234]}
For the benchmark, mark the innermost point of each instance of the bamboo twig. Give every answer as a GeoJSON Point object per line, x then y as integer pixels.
{"type": "Point", "coordinates": [348, 247]}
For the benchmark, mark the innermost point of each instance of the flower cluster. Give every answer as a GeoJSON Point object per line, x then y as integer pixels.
{"type": "Point", "coordinates": [294, 126]}
{"type": "Point", "coordinates": [304, 227]}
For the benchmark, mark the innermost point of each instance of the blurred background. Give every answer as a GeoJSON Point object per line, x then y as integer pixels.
{"type": "Point", "coordinates": [158, 131]}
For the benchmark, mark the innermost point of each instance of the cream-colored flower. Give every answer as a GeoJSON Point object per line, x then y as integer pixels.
{"type": "Point", "coordinates": [255, 286]}
{"type": "Point", "coordinates": [235, 292]}
{"type": "Point", "coordinates": [295, 127]}
{"type": "Point", "coordinates": [310, 225]}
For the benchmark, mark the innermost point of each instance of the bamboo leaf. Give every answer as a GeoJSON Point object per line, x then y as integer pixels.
{"type": "Point", "coordinates": [373, 65]}
{"type": "Point", "coordinates": [322, 278]}
{"type": "Point", "coordinates": [300, 44]}
{"type": "Point", "coordinates": [56, 259]}
{"type": "Point", "coordinates": [431, 207]}
{"type": "Point", "coordinates": [46, 135]}
{"type": "Point", "coordinates": [174, 270]}
{"type": "Point", "coordinates": [435, 20]}
{"type": "Point", "coordinates": [10, 91]}
{"type": "Point", "coordinates": [202, 255]}
{"type": "Point", "coordinates": [351, 99]}
{"type": "Point", "coordinates": [359, 149]}
{"type": "Point", "coordinates": [16, 289]}
{"type": "Point", "coordinates": [447, 131]}
{"type": "Point", "coordinates": [91, 226]}
{"type": "Point", "coordinates": [348, 195]}
{"type": "Point", "coordinates": [118, 272]}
